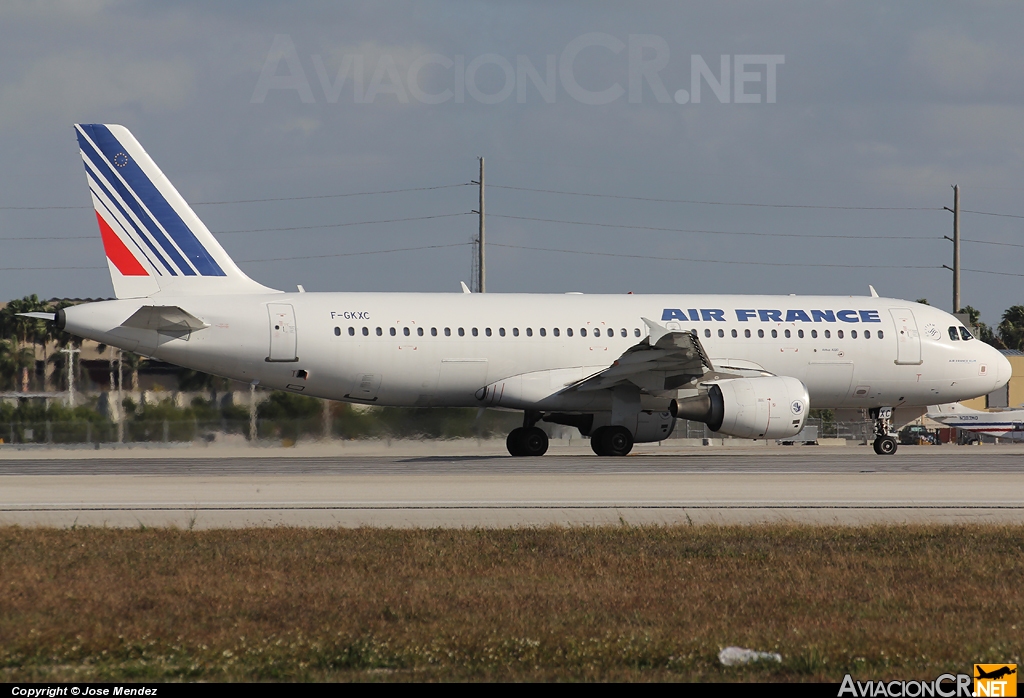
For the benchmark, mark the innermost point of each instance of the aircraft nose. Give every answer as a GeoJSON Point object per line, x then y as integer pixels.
{"type": "Point", "coordinates": [1003, 368]}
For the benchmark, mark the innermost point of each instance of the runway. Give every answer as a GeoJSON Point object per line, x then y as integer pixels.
{"type": "Point", "coordinates": [813, 485]}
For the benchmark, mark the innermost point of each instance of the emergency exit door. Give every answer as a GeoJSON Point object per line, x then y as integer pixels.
{"type": "Point", "coordinates": [282, 332]}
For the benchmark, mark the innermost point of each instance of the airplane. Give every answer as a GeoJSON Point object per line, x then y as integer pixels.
{"type": "Point", "coordinates": [620, 368]}
{"type": "Point", "coordinates": [995, 673]}
{"type": "Point", "coordinates": [1006, 424]}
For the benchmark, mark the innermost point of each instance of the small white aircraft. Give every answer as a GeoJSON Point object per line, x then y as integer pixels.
{"type": "Point", "coordinates": [1006, 424]}
{"type": "Point", "coordinates": [620, 368]}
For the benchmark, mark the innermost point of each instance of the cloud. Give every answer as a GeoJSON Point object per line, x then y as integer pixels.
{"type": "Point", "coordinates": [79, 85]}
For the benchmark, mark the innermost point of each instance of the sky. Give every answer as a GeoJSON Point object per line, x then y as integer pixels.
{"type": "Point", "coordinates": [817, 157]}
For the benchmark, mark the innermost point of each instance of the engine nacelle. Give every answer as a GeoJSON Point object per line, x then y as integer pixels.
{"type": "Point", "coordinates": [773, 407]}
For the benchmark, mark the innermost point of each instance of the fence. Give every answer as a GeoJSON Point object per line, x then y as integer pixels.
{"type": "Point", "coordinates": [284, 430]}
{"type": "Point", "coordinates": [160, 431]}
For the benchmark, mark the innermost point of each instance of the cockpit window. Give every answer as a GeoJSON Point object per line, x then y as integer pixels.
{"type": "Point", "coordinates": [965, 334]}
{"type": "Point", "coordinates": [953, 335]}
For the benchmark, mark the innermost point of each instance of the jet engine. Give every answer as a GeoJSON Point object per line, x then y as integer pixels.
{"type": "Point", "coordinates": [773, 407]}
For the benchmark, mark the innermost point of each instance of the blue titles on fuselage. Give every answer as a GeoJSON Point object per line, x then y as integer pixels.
{"type": "Point", "coordinates": [771, 315]}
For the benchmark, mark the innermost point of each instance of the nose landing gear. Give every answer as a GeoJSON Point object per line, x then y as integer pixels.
{"type": "Point", "coordinates": [885, 440]}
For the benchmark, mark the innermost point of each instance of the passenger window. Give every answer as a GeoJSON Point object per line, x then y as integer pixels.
{"type": "Point", "coordinates": [405, 331]}
{"type": "Point", "coordinates": [624, 332]}
{"type": "Point", "coordinates": [543, 332]}
{"type": "Point", "coordinates": [636, 331]}
{"type": "Point", "coordinates": [476, 332]}
{"type": "Point", "coordinates": [501, 331]}
{"type": "Point", "coordinates": [447, 332]}
{"type": "Point", "coordinates": [351, 331]}
{"type": "Point", "coordinates": [867, 334]}
{"type": "Point", "coordinates": [462, 332]}
{"type": "Point", "coordinates": [839, 334]}
{"type": "Point", "coordinates": [433, 331]}
{"type": "Point", "coordinates": [366, 331]}
{"type": "Point", "coordinates": [881, 335]}
{"type": "Point", "coordinates": [760, 333]}
{"type": "Point", "coordinates": [734, 334]}
{"type": "Point", "coordinates": [828, 334]}
{"type": "Point", "coordinates": [853, 334]}
{"type": "Point", "coordinates": [529, 331]}
{"type": "Point", "coordinates": [554, 331]}
{"type": "Point", "coordinates": [380, 332]}
{"type": "Point", "coordinates": [953, 335]}
{"type": "Point", "coordinates": [611, 332]}
{"type": "Point", "coordinates": [721, 333]}
{"type": "Point", "coordinates": [800, 334]}
{"type": "Point", "coordinates": [707, 333]}
{"type": "Point", "coordinates": [515, 331]}
{"type": "Point", "coordinates": [814, 334]}
{"type": "Point", "coordinates": [393, 332]}
{"type": "Point", "coordinates": [568, 332]}
{"type": "Point", "coordinates": [487, 331]}
{"type": "Point", "coordinates": [419, 331]}
{"type": "Point", "coordinates": [965, 334]}
{"type": "Point", "coordinates": [583, 332]}
{"type": "Point", "coordinates": [746, 333]}
{"type": "Point", "coordinates": [337, 331]}
{"type": "Point", "coordinates": [787, 334]}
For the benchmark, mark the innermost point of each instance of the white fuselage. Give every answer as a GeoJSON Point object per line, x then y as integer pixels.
{"type": "Point", "coordinates": [409, 349]}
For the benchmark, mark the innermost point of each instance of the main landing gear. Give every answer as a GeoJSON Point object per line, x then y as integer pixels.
{"type": "Point", "coordinates": [611, 441]}
{"type": "Point", "coordinates": [885, 441]}
{"type": "Point", "coordinates": [529, 439]}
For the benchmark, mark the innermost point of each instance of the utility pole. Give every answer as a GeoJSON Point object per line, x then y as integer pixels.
{"type": "Point", "coordinates": [956, 246]}
{"type": "Point", "coordinates": [252, 412]}
{"type": "Point", "coordinates": [71, 373]}
{"type": "Point", "coordinates": [120, 397]}
{"type": "Point", "coordinates": [481, 283]}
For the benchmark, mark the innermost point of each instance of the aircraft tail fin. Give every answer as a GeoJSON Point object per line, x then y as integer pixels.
{"type": "Point", "coordinates": [154, 241]}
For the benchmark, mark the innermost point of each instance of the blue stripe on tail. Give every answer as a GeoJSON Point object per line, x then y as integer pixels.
{"type": "Point", "coordinates": [142, 189]}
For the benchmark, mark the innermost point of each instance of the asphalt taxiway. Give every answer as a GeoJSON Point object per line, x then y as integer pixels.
{"type": "Point", "coordinates": [263, 487]}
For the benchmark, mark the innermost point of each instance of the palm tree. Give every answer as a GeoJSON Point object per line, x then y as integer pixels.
{"type": "Point", "coordinates": [25, 331]}
{"type": "Point", "coordinates": [12, 361]}
{"type": "Point", "coordinates": [1011, 329]}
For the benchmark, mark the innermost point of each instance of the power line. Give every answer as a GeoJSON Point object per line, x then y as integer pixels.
{"type": "Point", "coordinates": [719, 232]}
{"type": "Point", "coordinates": [343, 225]}
{"type": "Point", "coordinates": [357, 254]}
{"type": "Point", "coordinates": [713, 261]}
{"type": "Point", "coordinates": [255, 201]}
{"type": "Point", "coordinates": [273, 259]}
{"type": "Point", "coordinates": [263, 230]}
{"type": "Point", "coordinates": [720, 203]}
{"type": "Point", "coordinates": [328, 196]}
{"type": "Point", "coordinates": [990, 213]}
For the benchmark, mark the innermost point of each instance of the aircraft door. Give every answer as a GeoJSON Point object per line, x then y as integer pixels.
{"type": "Point", "coordinates": [282, 332]}
{"type": "Point", "coordinates": [908, 339]}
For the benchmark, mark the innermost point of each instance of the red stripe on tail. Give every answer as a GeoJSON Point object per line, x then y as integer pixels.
{"type": "Point", "coordinates": [118, 253]}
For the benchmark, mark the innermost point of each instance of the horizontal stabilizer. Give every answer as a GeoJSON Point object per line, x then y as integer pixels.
{"type": "Point", "coordinates": [40, 316]}
{"type": "Point", "coordinates": [165, 319]}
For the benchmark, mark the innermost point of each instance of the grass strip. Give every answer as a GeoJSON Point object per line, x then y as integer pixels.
{"type": "Point", "coordinates": [605, 603]}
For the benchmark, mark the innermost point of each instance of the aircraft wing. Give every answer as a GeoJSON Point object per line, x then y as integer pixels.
{"type": "Point", "coordinates": [666, 360]}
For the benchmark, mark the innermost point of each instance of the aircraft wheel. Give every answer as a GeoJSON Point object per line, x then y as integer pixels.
{"type": "Point", "coordinates": [617, 441]}
{"type": "Point", "coordinates": [875, 445]}
{"type": "Point", "coordinates": [597, 441]}
{"type": "Point", "coordinates": [514, 442]}
{"type": "Point", "coordinates": [534, 442]}
{"type": "Point", "coordinates": [885, 445]}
